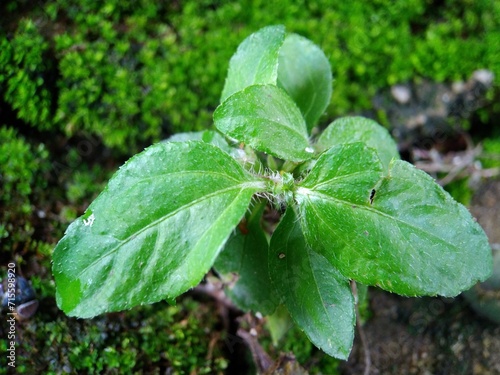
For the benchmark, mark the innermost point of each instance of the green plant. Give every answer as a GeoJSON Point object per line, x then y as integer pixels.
{"type": "Point", "coordinates": [98, 66]}
{"type": "Point", "coordinates": [22, 174]}
{"type": "Point", "coordinates": [490, 158]}
{"type": "Point", "coordinates": [24, 72]}
{"type": "Point", "coordinates": [352, 210]}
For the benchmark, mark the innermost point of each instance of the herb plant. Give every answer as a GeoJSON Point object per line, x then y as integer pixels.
{"type": "Point", "coordinates": [351, 210]}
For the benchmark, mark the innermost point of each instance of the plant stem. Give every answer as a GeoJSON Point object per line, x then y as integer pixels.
{"type": "Point", "coordinates": [362, 336]}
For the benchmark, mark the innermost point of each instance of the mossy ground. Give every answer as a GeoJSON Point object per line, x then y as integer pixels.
{"type": "Point", "coordinates": [149, 339]}
{"type": "Point", "coordinates": [132, 74]}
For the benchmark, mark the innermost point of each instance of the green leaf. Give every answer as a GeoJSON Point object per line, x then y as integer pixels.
{"type": "Point", "coordinates": [243, 263]}
{"type": "Point", "coordinates": [246, 157]}
{"type": "Point", "coordinates": [304, 73]}
{"type": "Point", "coordinates": [403, 233]}
{"type": "Point", "coordinates": [317, 296]}
{"type": "Point", "coordinates": [347, 172]}
{"type": "Point", "coordinates": [265, 118]}
{"type": "Point", "coordinates": [255, 61]}
{"type": "Point", "coordinates": [360, 129]}
{"type": "Point", "coordinates": [207, 136]}
{"type": "Point", "coordinates": [279, 323]}
{"type": "Point", "coordinates": [154, 231]}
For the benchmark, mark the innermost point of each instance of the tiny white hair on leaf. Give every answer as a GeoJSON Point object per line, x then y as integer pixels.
{"type": "Point", "coordinates": [89, 221]}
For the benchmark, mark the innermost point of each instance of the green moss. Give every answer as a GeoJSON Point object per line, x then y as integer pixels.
{"type": "Point", "coordinates": [24, 70]}
{"type": "Point", "coordinates": [86, 183]}
{"type": "Point", "coordinates": [133, 73]}
{"type": "Point", "coordinates": [151, 339]}
{"type": "Point", "coordinates": [460, 190]}
{"type": "Point", "coordinates": [307, 354]}
{"type": "Point", "coordinates": [22, 174]}
{"type": "Point", "coordinates": [490, 157]}
{"type": "Point", "coordinates": [290, 339]}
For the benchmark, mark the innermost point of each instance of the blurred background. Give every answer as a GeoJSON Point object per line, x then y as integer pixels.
{"type": "Point", "coordinates": [85, 84]}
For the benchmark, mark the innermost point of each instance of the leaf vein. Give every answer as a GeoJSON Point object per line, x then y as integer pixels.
{"type": "Point", "coordinates": [165, 217]}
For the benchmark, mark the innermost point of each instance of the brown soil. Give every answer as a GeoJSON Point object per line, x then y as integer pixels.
{"type": "Point", "coordinates": [426, 336]}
